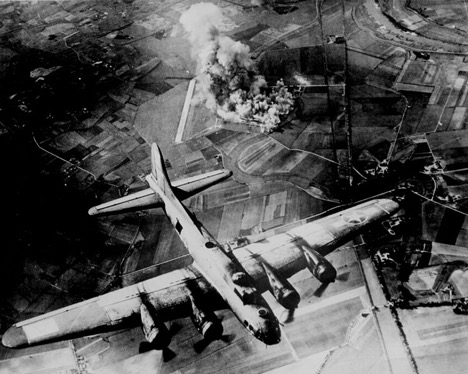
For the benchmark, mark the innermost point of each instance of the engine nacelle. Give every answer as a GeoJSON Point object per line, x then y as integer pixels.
{"type": "Point", "coordinates": [319, 266]}
{"type": "Point", "coordinates": [155, 331]}
{"type": "Point", "coordinates": [281, 289]}
{"type": "Point", "coordinates": [206, 321]}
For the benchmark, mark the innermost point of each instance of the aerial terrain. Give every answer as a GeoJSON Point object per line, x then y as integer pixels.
{"type": "Point", "coordinates": [312, 105]}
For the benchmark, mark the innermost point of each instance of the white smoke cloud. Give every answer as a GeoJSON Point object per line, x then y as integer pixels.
{"type": "Point", "coordinates": [228, 79]}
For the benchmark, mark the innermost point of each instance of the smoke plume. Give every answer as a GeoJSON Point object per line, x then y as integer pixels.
{"type": "Point", "coordinates": [228, 79]}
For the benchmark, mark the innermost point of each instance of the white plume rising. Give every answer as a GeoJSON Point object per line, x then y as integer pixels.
{"type": "Point", "coordinates": [228, 79]}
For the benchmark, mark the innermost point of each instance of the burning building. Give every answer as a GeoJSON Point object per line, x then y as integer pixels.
{"type": "Point", "coordinates": [229, 81]}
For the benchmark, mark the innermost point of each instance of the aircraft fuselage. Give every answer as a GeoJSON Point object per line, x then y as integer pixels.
{"type": "Point", "coordinates": [226, 275]}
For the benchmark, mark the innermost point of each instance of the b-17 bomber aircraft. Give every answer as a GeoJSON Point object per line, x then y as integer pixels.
{"type": "Point", "coordinates": [218, 278]}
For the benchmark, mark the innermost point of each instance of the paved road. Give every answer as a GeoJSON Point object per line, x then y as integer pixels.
{"type": "Point", "coordinates": [392, 341]}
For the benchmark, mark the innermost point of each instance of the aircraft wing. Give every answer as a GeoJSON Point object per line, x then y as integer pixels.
{"type": "Point", "coordinates": [148, 199]}
{"type": "Point", "coordinates": [289, 252]}
{"type": "Point", "coordinates": [268, 261]}
{"type": "Point", "coordinates": [169, 294]}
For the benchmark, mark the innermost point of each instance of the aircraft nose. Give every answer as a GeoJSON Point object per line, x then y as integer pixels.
{"type": "Point", "coordinates": [271, 333]}
{"type": "Point", "coordinates": [272, 339]}
{"type": "Point", "coordinates": [14, 337]}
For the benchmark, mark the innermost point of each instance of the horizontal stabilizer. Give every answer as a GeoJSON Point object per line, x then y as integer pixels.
{"type": "Point", "coordinates": [148, 199]}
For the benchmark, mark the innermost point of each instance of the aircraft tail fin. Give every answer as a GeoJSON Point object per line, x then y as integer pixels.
{"type": "Point", "coordinates": [158, 169]}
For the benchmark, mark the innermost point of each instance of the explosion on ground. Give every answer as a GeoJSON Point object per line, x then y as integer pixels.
{"type": "Point", "coordinates": [228, 79]}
